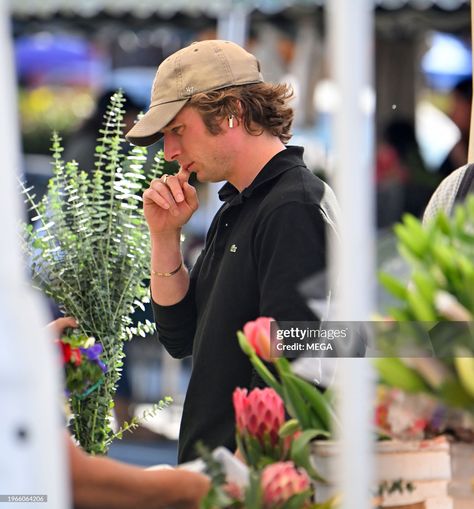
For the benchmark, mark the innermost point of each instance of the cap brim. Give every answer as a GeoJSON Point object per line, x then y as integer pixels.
{"type": "Point", "coordinates": [148, 129]}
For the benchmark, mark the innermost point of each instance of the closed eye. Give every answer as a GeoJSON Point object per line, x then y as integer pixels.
{"type": "Point", "coordinates": [177, 129]}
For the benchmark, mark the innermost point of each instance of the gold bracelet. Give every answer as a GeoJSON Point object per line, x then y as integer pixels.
{"type": "Point", "coordinates": [167, 274]}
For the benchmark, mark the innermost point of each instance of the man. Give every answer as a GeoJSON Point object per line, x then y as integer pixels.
{"type": "Point", "coordinates": [220, 120]}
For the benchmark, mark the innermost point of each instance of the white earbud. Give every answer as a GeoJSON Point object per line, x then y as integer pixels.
{"type": "Point", "coordinates": [230, 120]}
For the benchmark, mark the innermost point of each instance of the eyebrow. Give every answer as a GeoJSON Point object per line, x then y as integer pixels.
{"type": "Point", "coordinates": [172, 125]}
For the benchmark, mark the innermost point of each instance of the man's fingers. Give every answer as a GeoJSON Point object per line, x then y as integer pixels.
{"type": "Point", "coordinates": [169, 192]}
{"type": "Point", "coordinates": [155, 197]}
{"type": "Point", "coordinates": [190, 195]}
{"type": "Point", "coordinates": [162, 188]}
{"type": "Point", "coordinates": [175, 186]}
{"type": "Point", "coordinates": [183, 175]}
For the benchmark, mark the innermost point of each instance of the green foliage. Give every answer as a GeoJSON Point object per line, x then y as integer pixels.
{"type": "Point", "coordinates": [395, 373]}
{"type": "Point", "coordinates": [253, 495]}
{"type": "Point", "coordinates": [90, 254]}
{"type": "Point", "coordinates": [135, 421]}
{"type": "Point", "coordinates": [441, 256]}
{"type": "Point", "coordinates": [217, 495]}
{"type": "Point", "coordinates": [300, 452]}
{"type": "Point", "coordinates": [394, 486]}
{"type": "Point", "coordinates": [438, 305]}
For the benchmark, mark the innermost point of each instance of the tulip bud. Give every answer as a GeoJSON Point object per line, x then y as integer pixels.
{"type": "Point", "coordinates": [258, 334]}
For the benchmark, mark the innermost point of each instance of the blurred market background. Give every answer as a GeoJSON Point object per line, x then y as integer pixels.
{"type": "Point", "coordinates": [71, 55]}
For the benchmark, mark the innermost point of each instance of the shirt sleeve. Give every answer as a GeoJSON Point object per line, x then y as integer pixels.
{"type": "Point", "coordinates": [176, 324]}
{"type": "Point", "coordinates": [444, 195]}
{"type": "Point", "coordinates": [290, 246]}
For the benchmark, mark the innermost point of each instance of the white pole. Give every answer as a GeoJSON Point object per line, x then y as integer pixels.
{"type": "Point", "coordinates": [32, 444]}
{"type": "Point", "coordinates": [351, 33]}
{"type": "Point", "coordinates": [232, 24]}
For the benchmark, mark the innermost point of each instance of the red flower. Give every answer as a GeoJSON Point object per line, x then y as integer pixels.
{"type": "Point", "coordinates": [76, 357]}
{"type": "Point", "coordinates": [259, 413]}
{"type": "Point", "coordinates": [66, 350]}
{"type": "Point", "coordinates": [258, 335]}
{"type": "Point", "coordinates": [70, 354]}
{"type": "Point", "coordinates": [381, 416]}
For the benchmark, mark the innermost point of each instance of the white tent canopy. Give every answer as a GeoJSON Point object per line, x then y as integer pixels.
{"type": "Point", "coordinates": [143, 8]}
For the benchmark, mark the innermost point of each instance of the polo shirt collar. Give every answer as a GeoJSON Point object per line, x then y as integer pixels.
{"type": "Point", "coordinates": [283, 161]}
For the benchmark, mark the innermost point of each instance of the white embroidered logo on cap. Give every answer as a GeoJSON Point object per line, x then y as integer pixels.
{"type": "Point", "coordinates": [233, 248]}
{"type": "Point", "coordinates": [189, 90]}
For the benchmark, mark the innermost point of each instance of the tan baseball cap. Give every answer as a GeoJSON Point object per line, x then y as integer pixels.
{"type": "Point", "coordinates": [201, 67]}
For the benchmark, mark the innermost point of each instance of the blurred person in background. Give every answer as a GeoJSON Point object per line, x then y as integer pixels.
{"type": "Point", "coordinates": [460, 114]}
{"type": "Point", "coordinates": [403, 182]}
{"type": "Point", "coordinates": [81, 144]}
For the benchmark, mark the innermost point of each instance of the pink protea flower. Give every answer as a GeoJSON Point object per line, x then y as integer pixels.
{"type": "Point", "coordinates": [259, 413]}
{"type": "Point", "coordinates": [280, 481]}
{"type": "Point", "coordinates": [258, 335]}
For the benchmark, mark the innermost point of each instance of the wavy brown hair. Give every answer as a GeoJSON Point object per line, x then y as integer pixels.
{"type": "Point", "coordinates": [260, 106]}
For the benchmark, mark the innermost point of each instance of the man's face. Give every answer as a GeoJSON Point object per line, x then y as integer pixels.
{"type": "Point", "coordinates": [187, 140]}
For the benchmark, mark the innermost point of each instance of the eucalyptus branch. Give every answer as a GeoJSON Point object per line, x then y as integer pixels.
{"type": "Point", "coordinates": [89, 252]}
{"type": "Point", "coordinates": [136, 421]}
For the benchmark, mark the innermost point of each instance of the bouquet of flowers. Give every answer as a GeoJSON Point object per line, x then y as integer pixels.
{"type": "Point", "coordinates": [280, 470]}
{"type": "Point", "coordinates": [89, 252]}
{"type": "Point", "coordinates": [83, 368]}
{"type": "Point", "coordinates": [276, 450]}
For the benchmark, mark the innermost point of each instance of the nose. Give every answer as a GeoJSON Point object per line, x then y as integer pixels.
{"type": "Point", "coordinates": [171, 147]}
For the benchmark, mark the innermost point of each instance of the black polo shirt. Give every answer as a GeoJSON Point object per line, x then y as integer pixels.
{"type": "Point", "coordinates": [262, 243]}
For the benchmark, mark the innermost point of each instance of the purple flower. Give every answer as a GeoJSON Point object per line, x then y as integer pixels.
{"type": "Point", "coordinates": [438, 417]}
{"type": "Point", "coordinates": [92, 352]}
{"type": "Point", "coordinates": [102, 366]}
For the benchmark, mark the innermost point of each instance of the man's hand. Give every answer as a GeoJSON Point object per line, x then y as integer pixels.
{"type": "Point", "coordinates": [56, 327]}
{"type": "Point", "coordinates": [169, 203]}
{"type": "Point", "coordinates": [193, 487]}
{"type": "Point", "coordinates": [101, 483]}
